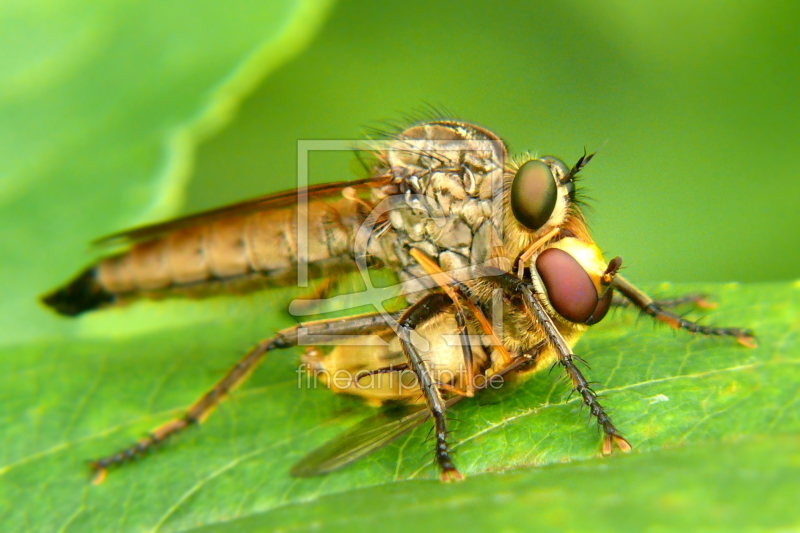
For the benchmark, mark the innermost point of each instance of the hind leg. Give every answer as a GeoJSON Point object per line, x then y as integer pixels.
{"type": "Point", "coordinates": [203, 407]}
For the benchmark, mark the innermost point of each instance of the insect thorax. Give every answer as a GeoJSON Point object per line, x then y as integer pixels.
{"type": "Point", "coordinates": [444, 199]}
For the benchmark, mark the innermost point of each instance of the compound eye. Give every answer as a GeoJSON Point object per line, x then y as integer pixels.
{"type": "Point", "coordinates": [602, 308]}
{"type": "Point", "coordinates": [533, 194]}
{"type": "Point", "coordinates": [569, 288]}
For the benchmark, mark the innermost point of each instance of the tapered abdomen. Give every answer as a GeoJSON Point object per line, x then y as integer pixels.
{"type": "Point", "coordinates": [260, 246]}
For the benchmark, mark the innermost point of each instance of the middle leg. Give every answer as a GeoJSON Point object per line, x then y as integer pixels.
{"type": "Point", "coordinates": [418, 314]}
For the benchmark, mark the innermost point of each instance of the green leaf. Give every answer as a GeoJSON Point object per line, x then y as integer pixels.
{"type": "Point", "coordinates": [714, 427]}
{"type": "Point", "coordinates": [101, 107]}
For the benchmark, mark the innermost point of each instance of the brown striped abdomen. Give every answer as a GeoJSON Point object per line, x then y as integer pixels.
{"type": "Point", "coordinates": [263, 243]}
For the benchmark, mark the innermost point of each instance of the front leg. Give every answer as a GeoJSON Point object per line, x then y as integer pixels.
{"type": "Point", "coordinates": [746, 337]}
{"type": "Point", "coordinates": [416, 315]}
{"type": "Point", "coordinates": [695, 298]}
{"type": "Point", "coordinates": [536, 310]}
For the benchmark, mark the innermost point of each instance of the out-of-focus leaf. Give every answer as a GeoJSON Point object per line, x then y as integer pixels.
{"type": "Point", "coordinates": [739, 486]}
{"type": "Point", "coordinates": [714, 428]}
{"type": "Point", "coordinates": [101, 107]}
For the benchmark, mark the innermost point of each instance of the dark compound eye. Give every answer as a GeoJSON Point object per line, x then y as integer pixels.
{"type": "Point", "coordinates": [533, 194]}
{"type": "Point", "coordinates": [569, 288]}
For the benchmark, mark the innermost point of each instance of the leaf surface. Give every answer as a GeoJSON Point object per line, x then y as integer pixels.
{"type": "Point", "coordinates": [714, 427]}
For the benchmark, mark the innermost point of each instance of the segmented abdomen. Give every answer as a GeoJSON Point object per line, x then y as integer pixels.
{"type": "Point", "coordinates": [261, 244]}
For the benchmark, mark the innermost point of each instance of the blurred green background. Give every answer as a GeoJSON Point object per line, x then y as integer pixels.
{"type": "Point", "coordinates": [695, 106]}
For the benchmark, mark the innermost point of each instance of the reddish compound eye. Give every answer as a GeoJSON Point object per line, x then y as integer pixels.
{"type": "Point", "coordinates": [602, 308]}
{"type": "Point", "coordinates": [533, 194]}
{"type": "Point", "coordinates": [569, 288]}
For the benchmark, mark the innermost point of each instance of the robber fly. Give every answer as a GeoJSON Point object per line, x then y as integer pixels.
{"type": "Point", "coordinates": [496, 264]}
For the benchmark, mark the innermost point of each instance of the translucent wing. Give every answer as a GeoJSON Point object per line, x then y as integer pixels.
{"type": "Point", "coordinates": [372, 434]}
{"type": "Point", "coordinates": [262, 203]}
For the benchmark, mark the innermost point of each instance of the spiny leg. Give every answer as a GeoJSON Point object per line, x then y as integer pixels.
{"type": "Point", "coordinates": [203, 407]}
{"type": "Point", "coordinates": [697, 299]}
{"type": "Point", "coordinates": [516, 287]}
{"type": "Point", "coordinates": [650, 307]}
{"type": "Point", "coordinates": [466, 350]}
{"type": "Point", "coordinates": [419, 313]}
{"type": "Point", "coordinates": [195, 414]}
{"type": "Point", "coordinates": [533, 248]}
{"type": "Point", "coordinates": [456, 289]}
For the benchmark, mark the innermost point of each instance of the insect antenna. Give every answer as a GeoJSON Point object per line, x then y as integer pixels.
{"type": "Point", "coordinates": [582, 162]}
{"type": "Point", "coordinates": [578, 194]}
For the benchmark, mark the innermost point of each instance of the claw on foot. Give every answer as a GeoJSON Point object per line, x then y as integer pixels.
{"type": "Point", "coordinates": [451, 474]}
{"type": "Point", "coordinates": [100, 473]}
{"type": "Point", "coordinates": [702, 303]}
{"type": "Point", "coordinates": [610, 440]}
{"type": "Point", "coordinates": [623, 445]}
{"type": "Point", "coordinates": [747, 339]}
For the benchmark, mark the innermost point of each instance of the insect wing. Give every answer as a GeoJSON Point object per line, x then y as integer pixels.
{"type": "Point", "coordinates": [371, 434]}
{"type": "Point", "coordinates": [376, 432]}
{"type": "Point", "coordinates": [254, 205]}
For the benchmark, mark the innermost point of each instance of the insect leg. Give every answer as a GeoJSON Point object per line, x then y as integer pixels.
{"type": "Point", "coordinates": [533, 248]}
{"type": "Point", "coordinates": [444, 281]}
{"type": "Point", "coordinates": [698, 299]}
{"type": "Point", "coordinates": [203, 407]}
{"type": "Point", "coordinates": [539, 314]}
{"type": "Point", "coordinates": [416, 315]}
{"type": "Point", "coordinates": [639, 299]}
{"type": "Point", "coordinates": [381, 429]}
{"type": "Point", "coordinates": [454, 289]}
